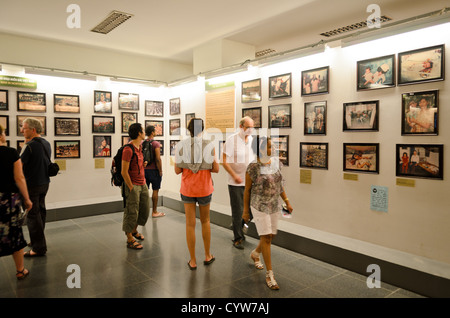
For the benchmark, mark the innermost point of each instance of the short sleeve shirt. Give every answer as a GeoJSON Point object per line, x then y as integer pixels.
{"type": "Point", "coordinates": [136, 170]}
{"type": "Point", "coordinates": [8, 156]}
{"type": "Point", "coordinates": [155, 145]}
{"type": "Point", "coordinates": [238, 154]}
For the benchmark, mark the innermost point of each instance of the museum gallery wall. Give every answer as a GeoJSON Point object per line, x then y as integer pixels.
{"type": "Point", "coordinates": [349, 119]}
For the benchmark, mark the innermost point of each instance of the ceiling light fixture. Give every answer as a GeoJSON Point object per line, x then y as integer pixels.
{"type": "Point", "coordinates": [112, 21]}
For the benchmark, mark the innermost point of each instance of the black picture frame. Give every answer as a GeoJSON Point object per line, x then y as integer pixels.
{"type": "Point", "coordinates": [4, 121]}
{"type": "Point", "coordinates": [361, 157]}
{"type": "Point", "coordinates": [175, 106]}
{"type": "Point", "coordinates": [254, 113]}
{"type": "Point", "coordinates": [102, 102]}
{"type": "Point", "coordinates": [161, 149]}
{"type": "Point", "coordinates": [128, 101]}
{"type": "Point", "coordinates": [251, 91]}
{"type": "Point", "coordinates": [31, 102]}
{"type": "Point", "coordinates": [174, 127]}
{"type": "Point", "coordinates": [103, 124]}
{"type": "Point", "coordinates": [67, 149]}
{"type": "Point", "coordinates": [159, 126]}
{"type": "Point", "coordinates": [188, 117]}
{"type": "Point", "coordinates": [280, 86]}
{"type": "Point", "coordinates": [280, 144]}
{"type": "Point", "coordinates": [67, 126]}
{"type": "Point", "coordinates": [4, 101]}
{"type": "Point", "coordinates": [63, 103]}
{"type": "Point", "coordinates": [127, 120]}
{"type": "Point", "coordinates": [315, 118]}
{"type": "Point", "coordinates": [376, 73]}
{"type": "Point", "coordinates": [173, 145]}
{"type": "Point", "coordinates": [100, 149]}
{"type": "Point", "coordinates": [315, 81]}
{"type": "Point", "coordinates": [422, 161]}
{"type": "Point", "coordinates": [314, 155]}
{"type": "Point", "coordinates": [154, 108]}
{"type": "Point", "coordinates": [361, 116]}
{"type": "Point", "coordinates": [420, 113]}
{"type": "Point", "coordinates": [280, 116]}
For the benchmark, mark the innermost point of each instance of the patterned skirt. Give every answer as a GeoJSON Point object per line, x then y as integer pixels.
{"type": "Point", "coordinates": [11, 235]}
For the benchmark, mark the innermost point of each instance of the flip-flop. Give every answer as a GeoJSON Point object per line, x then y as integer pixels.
{"type": "Point", "coordinates": [210, 261]}
{"type": "Point", "coordinates": [159, 215]}
{"type": "Point", "coordinates": [192, 268]}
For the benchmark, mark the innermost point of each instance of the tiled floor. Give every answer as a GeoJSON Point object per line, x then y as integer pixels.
{"type": "Point", "coordinates": [109, 270]}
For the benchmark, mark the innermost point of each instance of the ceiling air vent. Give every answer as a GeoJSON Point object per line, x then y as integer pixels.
{"type": "Point", "coordinates": [353, 27]}
{"type": "Point", "coordinates": [112, 21]}
{"type": "Point", "coordinates": [264, 52]}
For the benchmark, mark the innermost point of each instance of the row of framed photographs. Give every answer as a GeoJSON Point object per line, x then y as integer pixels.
{"type": "Point", "coordinates": [419, 115]}
{"type": "Point", "coordinates": [36, 102]}
{"type": "Point", "coordinates": [414, 67]}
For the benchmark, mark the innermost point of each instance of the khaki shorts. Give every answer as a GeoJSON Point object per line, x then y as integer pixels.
{"type": "Point", "coordinates": [137, 207]}
{"type": "Point", "coordinates": [265, 223]}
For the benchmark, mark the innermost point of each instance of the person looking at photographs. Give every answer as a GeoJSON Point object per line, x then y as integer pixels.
{"type": "Point", "coordinates": [263, 186]}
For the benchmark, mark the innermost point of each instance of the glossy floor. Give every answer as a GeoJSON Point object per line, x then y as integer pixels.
{"type": "Point", "coordinates": [108, 269]}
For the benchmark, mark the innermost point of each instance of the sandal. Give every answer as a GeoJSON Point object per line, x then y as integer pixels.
{"type": "Point", "coordinates": [138, 236]}
{"type": "Point", "coordinates": [255, 257]}
{"type": "Point", "coordinates": [134, 245]}
{"type": "Point", "coordinates": [270, 281]}
{"type": "Point", "coordinates": [21, 274]}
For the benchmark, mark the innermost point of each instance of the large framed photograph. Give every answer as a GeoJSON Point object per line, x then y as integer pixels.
{"type": "Point", "coordinates": [102, 102]}
{"type": "Point", "coordinates": [66, 103]}
{"type": "Point", "coordinates": [280, 144]}
{"type": "Point", "coordinates": [314, 155]}
{"type": "Point", "coordinates": [315, 118]}
{"type": "Point", "coordinates": [361, 157]}
{"type": "Point", "coordinates": [254, 113]}
{"type": "Point", "coordinates": [4, 121]}
{"type": "Point", "coordinates": [175, 106]}
{"type": "Point", "coordinates": [251, 91]}
{"type": "Point", "coordinates": [420, 161]}
{"type": "Point", "coordinates": [128, 101]}
{"type": "Point", "coordinates": [421, 65]}
{"type": "Point", "coordinates": [420, 113]}
{"type": "Point", "coordinates": [361, 116]}
{"type": "Point", "coordinates": [127, 120]}
{"type": "Point", "coordinates": [159, 126]}
{"type": "Point", "coordinates": [103, 124]}
{"type": "Point", "coordinates": [67, 126]}
{"type": "Point", "coordinates": [174, 127]}
{"type": "Point", "coordinates": [376, 73]}
{"type": "Point", "coordinates": [280, 116]}
{"type": "Point", "coordinates": [67, 149]}
{"type": "Point", "coordinates": [4, 105]}
{"type": "Point", "coordinates": [154, 108]}
{"type": "Point", "coordinates": [102, 146]}
{"type": "Point", "coordinates": [173, 146]}
{"type": "Point", "coordinates": [21, 118]}
{"type": "Point", "coordinates": [315, 81]}
{"type": "Point", "coordinates": [280, 86]}
{"type": "Point", "coordinates": [33, 102]}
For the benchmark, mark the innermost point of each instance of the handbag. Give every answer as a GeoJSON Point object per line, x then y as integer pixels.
{"type": "Point", "coordinates": [53, 167]}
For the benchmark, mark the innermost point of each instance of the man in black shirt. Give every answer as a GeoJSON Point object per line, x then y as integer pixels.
{"type": "Point", "coordinates": [35, 168]}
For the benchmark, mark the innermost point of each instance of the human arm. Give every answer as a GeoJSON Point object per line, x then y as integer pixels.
{"type": "Point", "coordinates": [126, 175]}
{"type": "Point", "coordinates": [284, 197]}
{"type": "Point", "coordinates": [158, 160]}
{"type": "Point", "coordinates": [230, 170]}
{"type": "Point", "coordinates": [215, 164]}
{"type": "Point", "coordinates": [19, 178]}
{"type": "Point", "coordinates": [247, 192]}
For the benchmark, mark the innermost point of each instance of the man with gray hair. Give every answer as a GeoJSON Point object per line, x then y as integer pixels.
{"type": "Point", "coordinates": [35, 168]}
{"type": "Point", "coordinates": [237, 154]}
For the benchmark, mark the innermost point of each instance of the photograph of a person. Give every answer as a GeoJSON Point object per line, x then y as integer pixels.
{"type": "Point", "coordinates": [159, 126]}
{"type": "Point", "coordinates": [421, 65]}
{"type": "Point", "coordinates": [376, 73]}
{"type": "Point", "coordinates": [102, 146]}
{"type": "Point", "coordinates": [103, 124]}
{"type": "Point", "coordinates": [420, 161]}
{"type": "Point", "coordinates": [67, 126]}
{"type": "Point", "coordinates": [66, 149]}
{"type": "Point", "coordinates": [128, 101]}
{"type": "Point", "coordinates": [34, 102]}
{"type": "Point", "coordinates": [127, 120]}
{"type": "Point", "coordinates": [4, 99]}
{"type": "Point", "coordinates": [102, 102]}
{"type": "Point", "coordinates": [315, 81]}
{"type": "Point", "coordinates": [280, 86]}
{"type": "Point", "coordinates": [251, 91]}
{"type": "Point", "coordinates": [154, 108]}
{"type": "Point", "coordinates": [420, 113]}
{"type": "Point", "coordinates": [280, 147]}
{"type": "Point", "coordinates": [175, 106]}
{"type": "Point", "coordinates": [361, 116]}
{"type": "Point", "coordinates": [255, 114]}
{"type": "Point", "coordinates": [174, 127]}
{"type": "Point", "coordinates": [314, 155]}
{"type": "Point", "coordinates": [66, 103]}
{"type": "Point", "coordinates": [315, 118]}
{"type": "Point", "coordinates": [21, 118]}
{"type": "Point", "coordinates": [361, 157]}
{"type": "Point", "coordinates": [280, 116]}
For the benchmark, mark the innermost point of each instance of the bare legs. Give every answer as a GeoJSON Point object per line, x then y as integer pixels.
{"type": "Point", "coordinates": [263, 247]}
{"type": "Point", "coordinates": [22, 272]}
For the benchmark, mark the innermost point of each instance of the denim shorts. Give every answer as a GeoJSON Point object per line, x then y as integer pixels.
{"type": "Point", "coordinates": [152, 176]}
{"type": "Point", "coordinates": [200, 200]}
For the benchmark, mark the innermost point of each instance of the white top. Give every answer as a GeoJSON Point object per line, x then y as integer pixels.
{"type": "Point", "coordinates": [238, 155]}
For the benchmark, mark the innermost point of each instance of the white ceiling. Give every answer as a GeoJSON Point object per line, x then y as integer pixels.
{"type": "Point", "coordinates": [172, 29]}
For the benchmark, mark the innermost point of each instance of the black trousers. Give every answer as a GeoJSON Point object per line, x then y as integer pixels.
{"type": "Point", "coordinates": [36, 218]}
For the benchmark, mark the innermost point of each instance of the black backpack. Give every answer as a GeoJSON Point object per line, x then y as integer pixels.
{"type": "Point", "coordinates": [116, 166]}
{"type": "Point", "coordinates": [148, 151]}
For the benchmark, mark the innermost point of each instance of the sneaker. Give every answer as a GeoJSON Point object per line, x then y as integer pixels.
{"type": "Point", "coordinates": [238, 245]}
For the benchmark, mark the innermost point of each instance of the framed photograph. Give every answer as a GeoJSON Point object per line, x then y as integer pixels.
{"type": "Point", "coordinates": [102, 146]}
{"type": "Point", "coordinates": [4, 105]}
{"type": "Point", "coordinates": [66, 103]}
{"type": "Point", "coordinates": [67, 149]}
{"type": "Point", "coordinates": [32, 102]}
{"type": "Point", "coordinates": [188, 119]}
{"type": "Point", "coordinates": [125, 140]}
{"type": "Point", "coordinates": [361, 157]}
{"type": "Point", "coordinates": [175, 106]}
{"type": "Point", "coordinates": [420, 113]}
{"type": "Point", "coordinates": [127, 120]}
{"type": "Point", "coordinates": [376, 73]}
{"type": "Point", "coordinates": [255, 114]}
{"type": "Point", "coordinates": [280, 86]}
{"type": "Point", "coordinates": [420, 161]}
{"type": "Point", "coordinates": [102, 102]}
{"type": "Point", "coordinates": [128, 101]}
{"type": "Point", "coordinates": [314, 155]}
{"type": "Point", "coordinates": [421, 65]}
{"type": "Point", "coordinates": [161, 149]}
{"type": "Point", "coordinates": [154, 108]}
{"type": "Point", "coordinates": [20, 145]}
{"type": "Point", "coordinates": [251, 91]}
{"type": "Point", "coordinates": [173, 145]}
{"type": "Point", "coordinates": [4, 121]}
{"type": "Point", "coordinates": [315, 81]}
{"type": "Point", "coordinates": [42, 119]}
{"type": "Point", "coordinates": [315, 118]}
{"type": "Point", "coordinates": [67, 126]}
{"type": "Point", "coordinates": [174, 127]}
{"type": "Point", "coordinates": [159, 126]}
{"type": "Point", "coordinates": [103, 124]}
{"type": "Point", "coordinates": [361, 116]}
{"type": "Point", "coordinates": [280, 144]}
{"type": "Point", "coordinates": [280, 116]}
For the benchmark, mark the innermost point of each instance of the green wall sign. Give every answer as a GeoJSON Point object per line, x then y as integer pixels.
{"type": "Point", "coordinates": [15, 81]}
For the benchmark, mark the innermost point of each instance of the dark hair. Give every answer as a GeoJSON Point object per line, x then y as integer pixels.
{"type": "Point", "coordinates": [134, 130]}
{"type": "Point", "coordinates": [149, 130]}
{"type": "Point", "coordinates": [195, 126]}
{"type": "Point", "coordinates": [262, 144]}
